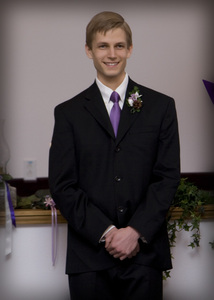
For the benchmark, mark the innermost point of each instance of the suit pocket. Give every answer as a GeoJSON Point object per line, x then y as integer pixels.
{"type": "Point", "coordinates": [147, 129]}
{"type": "Point", "coordinates": [144, 139]}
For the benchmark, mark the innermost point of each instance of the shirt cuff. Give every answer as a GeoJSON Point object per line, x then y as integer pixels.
{"type": "Point", "coordinates": [102, 239]}
{"type": "Point", "coordinates": [143, 240]}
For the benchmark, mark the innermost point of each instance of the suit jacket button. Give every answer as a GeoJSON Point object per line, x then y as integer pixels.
{"type": "Point", "coordinates": [121, 209]}
{"type": "Point", "coordinates": [117, 149]}
{"type": "Point", "coordinates": [117, 178]}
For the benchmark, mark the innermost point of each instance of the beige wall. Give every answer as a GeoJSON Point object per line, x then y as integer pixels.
{"type": "Point", "coordinates": [45, 64]}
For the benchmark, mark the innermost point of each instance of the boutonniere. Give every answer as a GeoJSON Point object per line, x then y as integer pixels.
{"type": "Point", "coordinates": [134, 101]}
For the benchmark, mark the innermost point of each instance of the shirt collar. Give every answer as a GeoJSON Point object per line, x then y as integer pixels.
{"type": "Point", "coordinates": [106, 91]}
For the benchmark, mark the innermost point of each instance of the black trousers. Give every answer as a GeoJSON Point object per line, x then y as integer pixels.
{"type": "Point", "coordinates": [124, 282]}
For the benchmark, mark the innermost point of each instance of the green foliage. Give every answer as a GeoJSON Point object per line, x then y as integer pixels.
{"type": "Point", "coordinates": [191, 200]}
{"type": "Point", "coordinates": [212, 244]}
{"type": "Point", "coordinates": [5, 177]}
{"type": "Point", "coordinates": [166, 275]}
{"type": "Point", "coordinates": [34, 201]}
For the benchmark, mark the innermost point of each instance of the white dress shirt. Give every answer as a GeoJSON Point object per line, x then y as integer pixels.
{"type": "Point", "coordinates": [106, 93]}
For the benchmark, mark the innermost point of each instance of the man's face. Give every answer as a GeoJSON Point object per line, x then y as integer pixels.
{"type": "Point", "coordinates": [109, 53]}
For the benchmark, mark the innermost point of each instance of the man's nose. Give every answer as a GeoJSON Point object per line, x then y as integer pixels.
{"type": "Point", "coordinates": [112, 52]}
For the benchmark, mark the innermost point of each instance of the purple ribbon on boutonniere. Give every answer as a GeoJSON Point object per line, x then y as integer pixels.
{"type": "Point", "coordinates": [49, 202]}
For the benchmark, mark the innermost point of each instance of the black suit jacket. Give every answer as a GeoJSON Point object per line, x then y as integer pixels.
{"type": "Point", "coordinates": [97, 180]}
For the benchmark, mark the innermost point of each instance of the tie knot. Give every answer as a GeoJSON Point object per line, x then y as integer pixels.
{"type": "Point", "coordinates": [115, 97]}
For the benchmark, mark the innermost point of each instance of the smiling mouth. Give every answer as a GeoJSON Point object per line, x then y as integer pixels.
{"type": "Point", "coordinates": [111, 64]}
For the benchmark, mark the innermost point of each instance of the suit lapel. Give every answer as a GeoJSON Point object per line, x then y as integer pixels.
{"type": "Point", "coordinates": [127, 118]}
{"type": "Point", "coordinates": [97, 109]}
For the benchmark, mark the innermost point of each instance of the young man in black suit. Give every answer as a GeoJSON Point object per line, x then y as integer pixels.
{"type": "Point", "coordinates": [113, 185]}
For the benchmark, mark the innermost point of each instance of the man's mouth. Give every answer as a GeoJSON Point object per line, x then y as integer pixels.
{"type": "Point", "coordinates": [111, 64]}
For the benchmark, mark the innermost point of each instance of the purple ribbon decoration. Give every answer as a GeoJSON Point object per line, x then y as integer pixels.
{"type": "Point", "coordinates": [49, 202]}
{"type": "Point", "coordinates": [210, 89]}
{"type": "Point", "coordinates": [12, 214]}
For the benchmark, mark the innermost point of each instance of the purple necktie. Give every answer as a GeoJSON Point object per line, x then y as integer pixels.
{"type": "Point", "coordinates": [115, 111]}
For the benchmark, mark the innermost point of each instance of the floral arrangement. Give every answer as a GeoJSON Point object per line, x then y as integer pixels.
{"type": "Point", "coordinates": [135, 101]}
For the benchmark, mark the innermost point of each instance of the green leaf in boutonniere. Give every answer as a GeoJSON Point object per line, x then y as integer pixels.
{"type": "Point", "coordinates": [135, 101]}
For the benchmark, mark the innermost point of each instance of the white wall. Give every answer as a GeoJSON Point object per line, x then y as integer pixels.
{"type": "Point", "coordinates": [29, 274]}
{"type": "Point", "coordinates": [45, 64]}
{"type": "Point", "coordinates": [28, 271]}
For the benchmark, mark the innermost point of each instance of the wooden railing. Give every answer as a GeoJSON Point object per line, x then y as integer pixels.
{"type": "Point", "coordinates": [39, 216]}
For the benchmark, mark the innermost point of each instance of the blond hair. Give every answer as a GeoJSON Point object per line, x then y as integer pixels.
{"type": "Point", "coordinates": [105, 21]}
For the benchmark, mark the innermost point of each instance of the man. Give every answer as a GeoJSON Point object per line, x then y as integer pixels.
{"type": "Point", "coordinates": [115, 185]}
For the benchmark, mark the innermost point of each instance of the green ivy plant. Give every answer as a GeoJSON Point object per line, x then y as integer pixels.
{"type": "Point", "coordinates": [212, 244]}
{"type": "Point", "coordinates": [191, 200]}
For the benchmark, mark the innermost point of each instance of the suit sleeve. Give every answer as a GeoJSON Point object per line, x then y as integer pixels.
{"type": "Point", "coordinates": [151, 213]}
{"type": "Point", "coordinates": [84, 217]}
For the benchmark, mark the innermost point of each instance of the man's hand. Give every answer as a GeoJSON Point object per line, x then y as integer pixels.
{"type": "Point", "coordinates": [122, 243]}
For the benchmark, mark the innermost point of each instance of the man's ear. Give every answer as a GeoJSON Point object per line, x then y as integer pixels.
{"type": "Point", "coordinates": [88, 51]}
{"type": "Point", "coordinates": [130, 51]}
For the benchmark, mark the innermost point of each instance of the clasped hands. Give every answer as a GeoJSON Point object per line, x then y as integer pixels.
{"type": "Point", "coordinates": [122, 243]}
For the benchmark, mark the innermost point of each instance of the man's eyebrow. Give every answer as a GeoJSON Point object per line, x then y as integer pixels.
{"type": "Point", "coordinates": [120, 43]}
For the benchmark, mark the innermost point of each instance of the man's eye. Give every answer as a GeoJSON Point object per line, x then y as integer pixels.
{"type": "Point", "coordinates": [120, 46]}
{"type": "Point", "coordinates": [102, 46]}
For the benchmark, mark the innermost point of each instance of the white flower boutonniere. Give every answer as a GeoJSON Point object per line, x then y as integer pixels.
{"type": "Point", "coordinates": [135, 101]}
